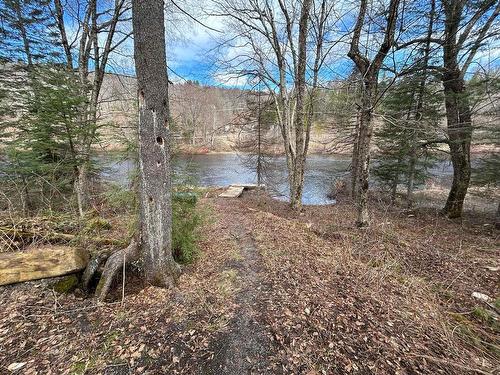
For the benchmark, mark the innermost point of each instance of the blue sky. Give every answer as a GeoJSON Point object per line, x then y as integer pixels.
{"type": "Point", "coordinates": [191, 55]}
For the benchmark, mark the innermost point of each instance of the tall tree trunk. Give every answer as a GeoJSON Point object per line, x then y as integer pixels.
{"type": "Point", "coordinates": [297, 183]}
{"type": "Point", "coordinates": [364, 142]}
{"type": "Point", "coordinates": [369, 71]}
{"type": "Point", "coordinates": [300, 126]}
{"type": "Point", "coordinates": [394, 187]}
{"type": "Point", "coordinates": [459, 125]}
{"type": "Point", "coordinates": [82, 188]}
{"type": "Point", "coordinates": [154, 143]}
{"type": "Point", "coordinates": [411, 177]}
{"type": "Point", "coordinates": [20, 25]}
{"type": "Point", "coordinates": [497, 217]}
{"type": "Point", "coordinates": [354, 160]}
{"type": "Point", "coordinates": [59, 18]}
{"type": "Point", "coordinates": [259, 142]}
{"type": "Point", "coordinates": [419, 108]}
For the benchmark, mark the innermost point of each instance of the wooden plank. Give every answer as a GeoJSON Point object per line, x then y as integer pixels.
{"type": "Point", "coordinates": [41, 263]}
{"type": "Point", "coordinates": [250, 186]}
{"type": "Point", "coordinates": [232, 192]}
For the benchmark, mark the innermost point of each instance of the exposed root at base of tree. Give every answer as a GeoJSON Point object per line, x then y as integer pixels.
{"type": "Point", "coordinates": [114, 264]}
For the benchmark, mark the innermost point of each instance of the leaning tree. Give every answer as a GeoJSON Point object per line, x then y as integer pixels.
{"type": "Point", "coordinates": [461, 32]}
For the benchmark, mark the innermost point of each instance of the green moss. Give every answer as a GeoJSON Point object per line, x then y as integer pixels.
{"type": "Point", "coordinates": [78, 368]}
{"type": "Point", "coordinates": [487, 317]}
{"type": "Point", "coordinates": [100, 285]}
{"type": "Point", "coordinates": [97, 224]}
{"type": "Point", "coordinates": [226, 284]}
{"type": "Point", "coordinates": [82, 366]}
{"type": "Point", "coordinates": [66, 285]}
{"type": "Point", "coordinates": [442, 292]}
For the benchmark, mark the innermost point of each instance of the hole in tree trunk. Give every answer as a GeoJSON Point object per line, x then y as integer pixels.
{"type": "Point", "coordinates": [159, 140]}
{"type": "Point", "coordinates": [150, 199]}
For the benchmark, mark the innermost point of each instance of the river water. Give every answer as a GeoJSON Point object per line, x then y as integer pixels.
{"type": "Point", "coordinates": [224, 169]}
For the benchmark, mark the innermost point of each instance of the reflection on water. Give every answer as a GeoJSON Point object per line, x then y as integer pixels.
{"type": "Point", "coordinates": [227, 169]}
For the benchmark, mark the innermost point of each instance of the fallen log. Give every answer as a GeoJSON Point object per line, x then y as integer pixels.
{"type": "Point", "coordinates": [41, 263]}
{"type": "Point", "coordinates": [56, 236]}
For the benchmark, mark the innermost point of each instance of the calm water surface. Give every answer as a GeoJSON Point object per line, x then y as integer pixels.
{"type": "Point", "coordinates": [227, 169]}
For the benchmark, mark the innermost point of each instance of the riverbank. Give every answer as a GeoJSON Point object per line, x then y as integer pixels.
{"type": "Point", "coordinates": [275, 291]}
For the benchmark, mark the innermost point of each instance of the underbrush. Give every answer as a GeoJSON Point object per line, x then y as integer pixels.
{"type": "Point", "coordinates": [187, 217]}
{"type": "Point", "coordinates": [112, 221]}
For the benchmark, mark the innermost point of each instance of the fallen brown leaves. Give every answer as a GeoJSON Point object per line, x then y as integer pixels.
{"type": "Point", "coordinates": [334, 299]}
{"type": "Point", "coordinates": [347, 300]}
{"type": "Point", "coordinates": [154, 331]}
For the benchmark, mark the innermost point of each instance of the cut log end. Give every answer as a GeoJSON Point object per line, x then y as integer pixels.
{"type": "Point", "coordinates": [45, 262]}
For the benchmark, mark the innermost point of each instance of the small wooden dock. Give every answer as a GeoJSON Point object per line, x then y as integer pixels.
{"type": "Point", "coordinates": [235, 190]}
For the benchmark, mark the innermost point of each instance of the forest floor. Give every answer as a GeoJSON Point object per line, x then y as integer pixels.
{"type": "Point", "coordinates": [274, 291]}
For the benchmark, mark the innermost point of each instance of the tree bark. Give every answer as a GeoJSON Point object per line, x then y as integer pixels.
{"type": "Point", "coordinates": [20, 25]}
{"type": "Point", "coordinates": [59, 18]}
{"type": "Point", "coordinates": [369, 71]}
{"type": "Point", "coordinates": [154, 143]}
{"type": "Point", "coordinates": [354, 160]}
{"type": "Point", "coordinates": [300, 86]}
{"type": "Point", "coordinates": [82, 189]}
{"type": "Point", "coordinates": [364, 143]}
{"type": "Point", "coordinates": [459, 125]}
{"type": "Point", "coordinates": [497, 217]}
{"type": "Point", "coordinates": [394, 187]}
{"type": "Point", "coordinates": [461, 48]}
{"type": "Point", "coordinates": [411, 178]}
{"type": "Point", "coordinates": [419, 107]}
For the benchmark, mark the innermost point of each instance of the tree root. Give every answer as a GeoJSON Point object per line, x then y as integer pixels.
{"type": "Point", "coordinates": [113, 265]}
{"type": "Point", "coordinates": [92, 267]}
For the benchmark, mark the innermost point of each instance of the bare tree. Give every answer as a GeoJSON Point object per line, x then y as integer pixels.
{"type": "Point", "coordinates": [98, 35]}
{"type": "Point", "coordinates": [460, 33]}
{"type": "Point", "coordinates": [369, 70]}
{"type": "Point", "coordinates": [461, 47]}
{"type": "Point", "coordinates": [284, 44]}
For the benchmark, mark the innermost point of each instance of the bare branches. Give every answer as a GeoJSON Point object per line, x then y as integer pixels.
{"type": "Point", "coordinates": [354, 53]}
{"type": "Point", "coordinates": [481, 37]}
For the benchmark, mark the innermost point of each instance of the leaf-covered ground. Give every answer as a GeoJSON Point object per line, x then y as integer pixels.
{"type": "Point", "coordinates": [273, 291]}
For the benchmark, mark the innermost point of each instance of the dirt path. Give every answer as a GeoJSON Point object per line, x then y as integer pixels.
{"type": "Point", "coordinates": [243, 349]}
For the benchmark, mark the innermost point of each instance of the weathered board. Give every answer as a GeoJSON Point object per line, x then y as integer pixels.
{"type": "Point", "coordinates": [248, 186]}
{"type": "Point", "coordinates": [232, 192]}
{"type": "Point", "coordinates": [41, 263]}
{"type": "Point", "coordinates": [235, 190]}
